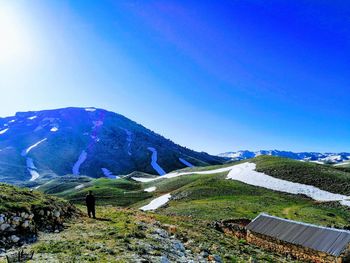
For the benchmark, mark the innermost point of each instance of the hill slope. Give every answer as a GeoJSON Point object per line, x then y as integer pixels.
{"type": "Point", "coordinates": [86, 141]}
{"type": "Point", "coordinates": [213, 197]}
{"type": "Point", "coordinates": [207, 194]}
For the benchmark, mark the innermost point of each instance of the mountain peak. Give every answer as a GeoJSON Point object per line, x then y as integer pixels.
{"type": "Point", "coordinates": [37, 145]}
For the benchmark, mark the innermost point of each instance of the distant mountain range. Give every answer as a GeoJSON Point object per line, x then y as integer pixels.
{"type": "Point", "coordinates": [86, 141]}
{"type": "Point", "coordinates": [323, 158]}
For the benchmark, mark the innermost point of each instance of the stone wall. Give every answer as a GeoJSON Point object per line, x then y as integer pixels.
{"type": "Point", "coordinates": [232, 227]}
{"type": "Point", "coordinates": [298, 252]}
{"type": "Point", "coordinates": [18, 228]}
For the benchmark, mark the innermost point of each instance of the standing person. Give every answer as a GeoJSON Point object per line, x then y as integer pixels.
{"type": "Point", "coordinates": [90, 204]}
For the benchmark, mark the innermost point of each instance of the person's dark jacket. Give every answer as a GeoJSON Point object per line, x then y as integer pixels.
{"type": "Point", "coordinates": [90, 200]}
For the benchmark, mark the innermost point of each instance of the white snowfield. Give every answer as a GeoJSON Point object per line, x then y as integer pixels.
{"type": "Point", "coordinates": [32, 170]}
{"type": "Point", "coordinates": [79, 162]}
{"type": "Point", "coordinates": [188, 164]}
{"type": "Point", "coordinates": [79, 186]}
{"type": "Point", "coordinates": [90, 109]}
{"type": "Point", "coordinates": [176, 174]}
{"type": "Point", "coordinates": [154, 163]}
{"type": "Point", "coordinates": [32, 118]}
{"type": "Point", "coordinates": [246, 173]}
{"type": "Point", "coordinates": [54, 129]}
{"type": "Point", "coordinates": [150, 189]}
{"type": "Point", "coordinates": [156, 203]}
{"type": "Point", "coordinates": [30, 163]}
{"type": "Point", "coordinates": [3, 131]}
{"type": "Point", "coordinates": [26, 151]}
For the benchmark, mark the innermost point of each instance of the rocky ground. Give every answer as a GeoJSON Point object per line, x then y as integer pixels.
{"type": "Point", "coordinates": [127, 235]}
{"type": "Point", "coordinates": [23, 213]}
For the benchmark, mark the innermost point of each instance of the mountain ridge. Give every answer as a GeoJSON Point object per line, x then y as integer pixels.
{"type": "Point", "coordinates": [86, 141]}
{"type": "Point", "coordinates": [322, 158]}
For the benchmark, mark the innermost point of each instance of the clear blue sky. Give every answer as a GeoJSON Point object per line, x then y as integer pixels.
{"type": "Point", "coordinates": [211, 75]}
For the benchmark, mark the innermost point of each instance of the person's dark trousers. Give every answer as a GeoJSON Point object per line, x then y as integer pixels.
{"type": "Point", "coordinates": [91, 211]}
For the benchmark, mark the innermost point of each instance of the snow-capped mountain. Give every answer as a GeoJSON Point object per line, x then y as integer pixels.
{"type": "Point", "coordinates": [324, 158]}
{"type": "Point", "coordinates": [86, 141]}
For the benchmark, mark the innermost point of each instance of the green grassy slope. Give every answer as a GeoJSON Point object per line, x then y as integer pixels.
{"type": "Point", "coordinates": [121, 192]}
{"type": "Point", "coordinates": [14, 199]}
{"type": "Point", "coordinates": [64, 183]}
{"type": "Point", "coordinates": [323, 176]}
{"type": "Point", "coordinates": [214, 198]}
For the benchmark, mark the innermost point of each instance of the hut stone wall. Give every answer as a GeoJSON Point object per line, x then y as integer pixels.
{"type": "Point", "coordinates": [299, 252]}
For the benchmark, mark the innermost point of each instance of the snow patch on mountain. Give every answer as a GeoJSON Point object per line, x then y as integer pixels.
{"type": "Point", "coordinates": [54, 129]}
{"type": "Point", "coordinates": [188, 164]}
{"type": "Point", "coordinates": [32, 118]}
{"type": "Point", "coordinates": [128, 139]}
{"type": "Point", "coordinates": [246, 173]}
{"type": "Point", "coordinates": [79, 186]}
{"type": "Point", "coordinates": [90, 109]}
{"type": "Point", "coordinates": [150, 189]}
{"type": "Point", "coordinates": [154, 163]}
{"type": "Point", "coordinates": [32, 170]}
{"type": "Point", "coordinates": [29, 161]}
{"type": "Point", "coordinates": [3, 131]}
{"type": "Point", "coordinates": [109, 174]}
{"type": "Point", "coordinates": [26, 151]}
{"type": "Point", "coordinates": [156, 203]}
{"type": "Point", "coordinates": [176, 174]}
{"type": "Point", "coordinates": [79, 162]}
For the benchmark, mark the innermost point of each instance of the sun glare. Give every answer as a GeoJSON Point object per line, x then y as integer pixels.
{"type": "Point", "coordinates": [15, 44]}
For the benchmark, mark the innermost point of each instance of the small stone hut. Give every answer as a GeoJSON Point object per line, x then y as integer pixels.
{"type": "Point", "coordinates": [302, 241]}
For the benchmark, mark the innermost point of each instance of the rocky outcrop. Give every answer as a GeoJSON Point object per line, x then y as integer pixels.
{"type": "Point", "coordinates": [162, 243]}
{"type": "Point", "coordinates": [19, 228]}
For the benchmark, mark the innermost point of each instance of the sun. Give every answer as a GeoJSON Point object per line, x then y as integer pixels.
{"type": "Point", "coordinates": [15, 41]}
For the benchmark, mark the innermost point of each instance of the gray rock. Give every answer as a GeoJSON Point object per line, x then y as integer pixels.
{"type": "Point", "coordinates": [14, 238]}
{"type": "Point", "coordinates": [56, 213]}
{"type": "Point", "coordinates": [179, 247]}
{"type": "Point", "coordinates": [217, 259]}
{"type": "Point", "coordinates": [25, 224]}
{"type": "Point", "coordinates": [5, 226]}
{"type": "Point", "coordinates": [164, 259]}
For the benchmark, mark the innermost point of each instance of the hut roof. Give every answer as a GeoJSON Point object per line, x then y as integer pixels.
{"type": "Point", "coordinates": [329, 240]}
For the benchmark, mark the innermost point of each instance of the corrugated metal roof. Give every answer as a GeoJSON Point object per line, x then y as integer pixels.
{"type": "Point", "coordinates": [329, 240]}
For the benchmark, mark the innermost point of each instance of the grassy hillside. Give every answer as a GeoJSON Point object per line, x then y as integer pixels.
{"type": "Point", "coordinates": [121, 192]}
{"type": "Point", "coordinates": [212, 197]}
{"type": "Point", "coordinates": [13, 199]}
{"type": "Point", "coordinates": [323, 176]}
